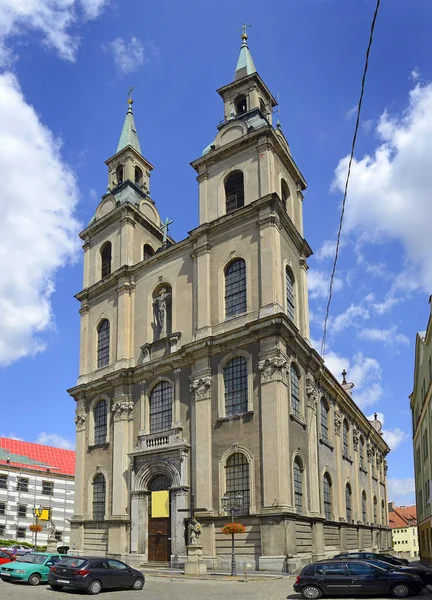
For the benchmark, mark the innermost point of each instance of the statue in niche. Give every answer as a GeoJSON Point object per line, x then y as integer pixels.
{"type": "Point", "coordinates": [162, 305]}
{"type": "Point", "coordinates": [195, 532]}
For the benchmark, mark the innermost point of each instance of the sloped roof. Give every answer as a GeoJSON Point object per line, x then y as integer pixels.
{"type": "Point", "coordinates": [245, 64]}
{"type": "Point", "coordinates": [36, 456]}
{"type": "Point", "coordinates": [129, 135]}
{"type": "Point", "coordinates": [403, 516]}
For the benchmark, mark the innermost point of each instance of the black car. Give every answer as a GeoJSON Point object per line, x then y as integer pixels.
{"type": "Point", "coordinates": [373, 556]}
{"type": "Point", "coordinates": [354, 577]}
{"type": "Point", "coordinates": [93, 574]}
{"type": "Point", "coordinates": [423, 572]}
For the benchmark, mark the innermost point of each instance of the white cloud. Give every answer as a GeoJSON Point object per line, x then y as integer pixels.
{"type": "Point", "coordinates": [53, 19]}
{"type": "Point", "coordinates": [351, 112]}
{"type": "Point", "coordinates": [12, 436]}
{"type": "Point", "coordinates": [318, 284]}
{"type": "Point", "coordinates": [389, 192]}
{"type": "Point", "coordinates": [394, 437]}
{"type": "Point", "coordinates": [415, 74]}
{"type": "Point", "coordinates": [388, 337]}
{"type": "Point", "coordinates": [130, 56]}
{"type": "Point", "coordinates": [343, 321]}
{"type": "Point", "coordinates": [53, 439]}
{"type": "Point", "coordinates": [38, 231]}
{"type": "Point", "coordinates": [327, 250]}
{"type": "Point", "coordinates": [398, 488]}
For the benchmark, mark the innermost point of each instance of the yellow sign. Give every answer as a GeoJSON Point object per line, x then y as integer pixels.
{"type": "Point", "coordinates": [45, 514]}
{"type": "Point", "coordinates": [160, 504]}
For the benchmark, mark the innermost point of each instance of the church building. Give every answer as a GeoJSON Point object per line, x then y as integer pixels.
{"type": "Point", "coordinates": [198, 385]}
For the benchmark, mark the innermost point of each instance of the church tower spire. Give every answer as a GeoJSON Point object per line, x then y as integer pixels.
{"type": "Point", "coordinates": [129, 135]}
{"type": "Point", "coordinates": [245, 64]}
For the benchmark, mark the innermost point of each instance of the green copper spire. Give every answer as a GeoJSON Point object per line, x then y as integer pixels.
{"type": "Point", "coordinates": [129, 136]}
{"type": "Point", "coordinates": [245, 64]}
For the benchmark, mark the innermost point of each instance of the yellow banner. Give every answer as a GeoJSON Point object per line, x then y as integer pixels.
{"type": "Point", "coordinates": [45, 515]}
{"type": "Point", "coordinates": [160, 504]}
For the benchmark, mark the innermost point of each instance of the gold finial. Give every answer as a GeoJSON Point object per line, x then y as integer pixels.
{"type": "Point", "coordinates": [243, 31]}
{"type": "Point", "coordinates": [129, 95]}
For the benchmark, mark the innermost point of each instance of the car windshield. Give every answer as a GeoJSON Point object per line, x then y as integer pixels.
{"type": "Point", "coordinates": [36, 559]}
{"type": "Point", "coordinates": [72, 562]}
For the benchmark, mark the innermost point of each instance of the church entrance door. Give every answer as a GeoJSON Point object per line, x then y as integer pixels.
{"type": "Point", "coordinates": [159, 529]}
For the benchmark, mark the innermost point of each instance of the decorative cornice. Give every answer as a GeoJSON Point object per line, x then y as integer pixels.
{"type": "Point", "coordinates": [122, 409]}
{"type": "Point", "coordinates": [80, 421]}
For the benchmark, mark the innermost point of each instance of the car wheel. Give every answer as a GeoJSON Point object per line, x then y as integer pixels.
{"type": "Point", "coordinates": [311, 592]}
{"type": "Point", "coordinates": [400, 590]}
{"type": "Point", "coordinates": [94, 588]}
{"type": "Point", "coordinates": [56, 588]}
{"type": "Point", "coordinates": [138, 584]}
{"type": "Point", "coordinates": [34, 579]}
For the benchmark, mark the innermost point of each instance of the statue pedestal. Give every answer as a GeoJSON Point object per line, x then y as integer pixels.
{"type": "Point", "coordinates": [194, 564]}
{"type": "Point", "coordinates": [52, 545]}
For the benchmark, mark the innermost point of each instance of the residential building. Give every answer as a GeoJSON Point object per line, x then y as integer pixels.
{"type": "Point", "coordinates": [197, 376]}
{"type": "Point", "coordinates": [35, 479]}
{"type": "Point", "coordinates": [403, 525]}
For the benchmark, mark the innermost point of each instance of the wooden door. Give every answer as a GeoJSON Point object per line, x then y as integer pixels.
{"type": "Point", "coordinates": [159, 542]}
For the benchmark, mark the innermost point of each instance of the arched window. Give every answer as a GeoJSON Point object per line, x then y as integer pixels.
{"type": "Point", "coordinates": [100, 414]}
{"type": "Point", "coordinates": [161, 407]}
{"type": "Point", "coordinates": [345, 439]}
{"type": "Point", "coordinates": [324, 419]}
{"type": "Point", "coordinates": [147, 251]}
{"type": "Point", "coordinates": [106, 259]}
{"type": "Point", "coordinates": [363, 505]}
{"type": "Point", "coordinates": [103, 348]}
{"type": "Point", "coordinates": [327, 496]}
{"type": "Point", "coordinates": [362, 448]}
{"type": "Point", "coordinates": [236, 386]}
{"type": "Point", "coordinates": [158, 483]}
{"type": "Point", "coordinates": [298, 484]}
{"type": "Point", "coordinates": [375, 515]}
{"type": "Point", "coordinates": [348, 502]}
{"type": "Point", "coordinates": [234, 191]}
{"type": "Point", "coordinates": [383, 519]}
{"type": "Point", "coordinates": [285, 193]}
{"type": "Point", "coordinates": [99, 497]}
{"type": "Point", "coordinates": [138, 176]}
{"type": "Point", "coordinates": [119, 174]}
{"type": "Point", "coordinates": [295, 390]}
{"type": "Point", "coordinates": [241, 104]}
{"type": "Point", "coordinates": [289, 285]}
{"type": "Point", "coordinates": [237, 478]}
{"type": "Point", "coordinates": [235, 288]}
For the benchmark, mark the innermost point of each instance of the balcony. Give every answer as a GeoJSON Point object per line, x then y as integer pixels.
{"type": "Point", "coordinates": [153, 443]}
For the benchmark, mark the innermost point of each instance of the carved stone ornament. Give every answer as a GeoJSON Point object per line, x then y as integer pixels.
{"type": "Point", "coordinates": [370, 451]}
{"type": "Point", "coordinates": [201, 387]}
{"type": "Point", "coordinates": [80, 420]}
{"type": "Point", "coordinates": [355, 438]}
{"type": "Point", "coordinates": [312, 394]}
{"type": "Point", "coordinates": [379, 460]}
{"type": "Point", "coordinates": [272, 367]}
{"type": "Point", "coordinates": [385, 467]}
{"type": "Point", "coordinates": [338, 422]}
{"type": "Point", "coordinates": [122, 409]}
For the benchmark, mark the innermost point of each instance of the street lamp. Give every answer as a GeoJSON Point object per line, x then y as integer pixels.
{"type": "Point", "coordinates": [37, 515]}
{"type": "Point", "coordinates": [232, 504]}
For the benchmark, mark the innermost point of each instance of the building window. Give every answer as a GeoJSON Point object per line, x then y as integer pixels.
{"type": "Point", "coordinates": [289, 287]}
{"type": "Point", "coordinates": [99, 494]}
{"type": "Point", "coordinates": [103, 348]}
{"type": "Point", "coordinates": [138, 176]}
{"type": "Point", "coordinates": [324, 420]}
{"type": "Point", "coordinates": [295, 391]}
{"type": "Point", "coordinates": [418, 460]}
{"type": "Point", "coordinates": [2, 508]}
{"type": "Point", "coordinates": [298, 484]}
{"type": "Point", "coordinates": [348, 494]}
{"type": "Point", "coordinates": [237, 478]}
{"type": "Point", "coordinates": [425, 445]}
{"type": "Point", "coordinates": [22, 510]}
{"type": "Point", "coordinates": [345, 439]}
{"type": "Point", "coordinates": [375, 505]}
{"type": "Point", "coordinates": [362, 448]}
{"type": "Point", "coordinates": [22, 484]}
{"type": "Point", "coordinates": [119, 174]}
{"type": "Point", "coordinates": [21, 532]}
{"type": "Point", "coordinates": [285, 193]}
{"type": "Point", "coordinates": [363, 506]}
{"type": "Point", "coordinates": [236, 386]}
{"type": "Point", "coordinates": [2, 531]}
{"type": "Point", "coordinates": [3, 482]}
{"type": "Point", "coordinates": [327, 497]}
{"type": "Point", "coordinates": [161, 407]}
{"type": "Point", "coordinates": [234, 191]}
{"type": "Point", "coordinates": [241, 104]}
{"type": "Point", "coordinates": [235, 288]}
{"type": "Point", "coordinates": [106, 259]}
{"type": "Point", "coordinates": [47, 488]}
{"type": "Point", "coordinates": [147, 251]}
{"type": "Point", "coordinates": [427, 493]}
{"type": "Point", "coordinates": [100, 414]}
{"type": "Point", "coordinates": [383, 518]}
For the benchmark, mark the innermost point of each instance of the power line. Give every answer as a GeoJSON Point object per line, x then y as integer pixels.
{"type": "Point", "coordinates": [359, 107]}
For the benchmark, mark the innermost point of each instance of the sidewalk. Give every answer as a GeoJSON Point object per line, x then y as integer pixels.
{"type": "Point", "coordinates": [173, 573]}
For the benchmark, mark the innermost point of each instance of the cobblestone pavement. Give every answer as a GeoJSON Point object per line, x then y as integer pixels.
{"type": "Point", "coordinates": [161, 588]}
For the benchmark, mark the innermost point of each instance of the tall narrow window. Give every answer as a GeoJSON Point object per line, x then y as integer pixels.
{"type": "Point", "coordinates": [235, 288]}
{"type": "Point", "coordinates": [383, 519]}
{"type": "Point", "coordinates": [103, 343]}
{"type": "Point", "coordinates": [298, 484]}
{"type": "Point", "coordinates": [99, 497]}
{"type": "Point", "coordinates": [285, 193]}
{"type": "Point", "coordinates": [289, 285]}
{"type": "Point", "coordinates": [241, 105]}
{"type": "Point", "coordinates": [147, 251]}
{"type": "Point", "coordinates": [234, 191]}
{"type": "Point", "coordinates": [324, 420]}
{"type": "Point", "coordinates": [375, 505]}
{"type": "Point", "coordinates": [364, 509]}
{"type": "Point", "coordinates": [327, 484]}
{"type": "Point", "coordinates": [295, 391]}
{"type": "Point", "coordinates": [362, 449]}
{"type": "Point", "coordinates": [345, 439]}
{"type": "Point", "coordinates": [100, 414]}
{"type": "Point", "coordinates": [236, 386]}
{"type": "Point", "coordinates": [138, 176]}
{"type": "Point", "coordinates": [106, 259]}
{"type": "Point", "coordinates": [161, 407]}
{"type": "Point", "coordinates": [348, 502]}
{"type": "Point", "coordinates": [119, 174]}
{"type": "Point", "coordinates": [237, 478]}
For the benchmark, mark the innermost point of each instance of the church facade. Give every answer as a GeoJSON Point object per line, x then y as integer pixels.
{"type": "Point", "coordinates": [197, 376]}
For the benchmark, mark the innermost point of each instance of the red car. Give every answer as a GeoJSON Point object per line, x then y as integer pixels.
{"type": "Point", "coordinates": [6, 557]}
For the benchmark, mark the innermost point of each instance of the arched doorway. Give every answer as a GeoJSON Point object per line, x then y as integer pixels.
{"type": "Point", "coordinates": [159, 519]}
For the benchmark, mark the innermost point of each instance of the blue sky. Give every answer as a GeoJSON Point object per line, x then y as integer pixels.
{"type": "Point", "coordinates": [66, 69]}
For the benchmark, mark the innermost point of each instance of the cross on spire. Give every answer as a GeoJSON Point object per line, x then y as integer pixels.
{"type": "Point", "coordinates": [243, 31]}
{"type": "Point", "coordinates": [129, 94]}
{"type": "Point", "coordinates": [164, 228]}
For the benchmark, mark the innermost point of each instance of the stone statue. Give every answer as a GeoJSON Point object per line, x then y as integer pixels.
{"type": "Point", "coordinates": [161, 306]}
{"type": "Point", "coordinates": [52, 531]}
{"type": "Point", "coordinates": [195, 532]}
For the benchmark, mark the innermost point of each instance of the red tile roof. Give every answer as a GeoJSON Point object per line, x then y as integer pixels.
{"type": "Point", "coordinates": [403, 516]}
{"type": "Point", "coordinates": [36, 457]}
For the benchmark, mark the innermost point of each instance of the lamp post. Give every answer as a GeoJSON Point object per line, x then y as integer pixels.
{"type": "Point", "coordinates": [232, 505]}
{"type": "Point", "coordinates": [37, 516]}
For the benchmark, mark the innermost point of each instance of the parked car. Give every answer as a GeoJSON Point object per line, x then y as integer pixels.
{"type": "Point", "coordinates": [354, 577]}
{"type": "Point", "coordinates": [17, 549]}
{"type": "Point", "coordinates": [422, 571]}
{"type": "Point", "coordinates": [33, 568]}
{"type": "Point", "coordinates": [373, 556]}
{"type": "Point", "coordinates": [6, 557]}
{"type": "Point", "coordinates": [404, 561]}
{"type": "Point", "coordinates": [94, 574]}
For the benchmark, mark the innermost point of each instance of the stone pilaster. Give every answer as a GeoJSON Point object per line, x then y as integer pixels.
{"type": "Point", "coordinates": [122, 411]}
{"type": "Point", "coordinates": [123, 321]}
{"type": "Point", "coordinates": [85, 353]}
{"type": "Point", "coordinates": [80, 453]}
{"type": "Point", "coordinates": [200, 388]}
{"type": "Point", "coordinates": [338, 455]}
{"type": "Point", "coordinates": [304, 302]}
{"type": "Point", "coordinates": [312, 441]}
{"type": "Point", "coordinates": [203, 284]}
{"type": "Point", "coordinates": [270, 293]}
